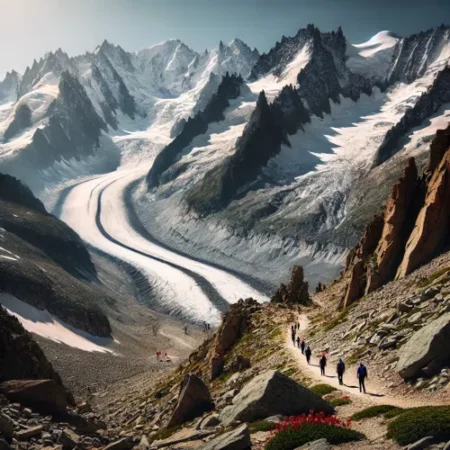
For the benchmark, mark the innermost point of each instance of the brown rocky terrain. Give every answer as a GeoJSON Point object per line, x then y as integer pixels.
{"type": "Point", "coordinates": [412, 231]}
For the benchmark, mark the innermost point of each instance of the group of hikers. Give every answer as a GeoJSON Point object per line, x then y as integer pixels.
{"type": "Point", "coordinates": [361, 372]}
{"type": "Point", "coordinates": [162, 356]}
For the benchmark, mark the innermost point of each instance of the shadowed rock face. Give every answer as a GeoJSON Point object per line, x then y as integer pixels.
{"type": "Point", "coordinates": [22, 120]}
{"type": "Point", "coordinates": [234, 325]}
{"type": "Point", "coordinates": [21, 358]}
{"type": "Point", "coordinates": [46, 263]}
{"type": "Point", "coordinates": [73, 129]}
{"type": "Point", "coordinates": [401, 211]}
{"type": "Point", "coordinates": [431, 231]}
{"type": "Point", "coordinates": [194, 400]}
{"type": "Point", "coordinates": [229, 88]}
{"type": "Point", "coordinates": [426, 106]}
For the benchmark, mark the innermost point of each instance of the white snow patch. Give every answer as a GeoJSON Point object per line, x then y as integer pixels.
{"type": "Point", "coordinates": [49, 327]}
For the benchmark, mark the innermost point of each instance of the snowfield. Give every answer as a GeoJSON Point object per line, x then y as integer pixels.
{"type": "Point", "coordinates": [47, 326]}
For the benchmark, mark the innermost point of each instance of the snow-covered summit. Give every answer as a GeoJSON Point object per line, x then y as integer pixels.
{"type": "Point", "coordinates": [373, 58]}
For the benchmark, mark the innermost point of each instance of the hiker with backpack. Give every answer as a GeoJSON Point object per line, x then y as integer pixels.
{"type": "Point", "coordinates": [323, 364]}
{"type": "Point", "coordinates": [293, 333]}
{"type": "Point", "coordinates": [340, 369]}
{"type": "Point", "coordinates": [302, 346]}
{"type": "Point", "coordinates": [308, 354]}
{"type": "Point", "coordinates": [361, 374]}
{"type": "Point", "coordinates": [298, 341]}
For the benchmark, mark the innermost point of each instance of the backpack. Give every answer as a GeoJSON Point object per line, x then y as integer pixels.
{"type": "Point", "coordinates": [362, 371]}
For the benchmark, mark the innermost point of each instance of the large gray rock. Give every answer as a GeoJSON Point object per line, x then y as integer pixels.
{"type": "Point", "coordinates": [238, 439]}
{"type": "Point", "coordinates": [194, 400]}
{"type": "Point", "coordinates": [269, 394]}
{"type": "Point", "coordinates": [321, 444]}
{"type": "Point", "coordinates": [431, 344]}
{"type": "Point", "coordinates": [41, 395]}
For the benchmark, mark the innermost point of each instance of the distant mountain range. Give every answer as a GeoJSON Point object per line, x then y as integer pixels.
{"type": "Point", "coordinates": [262, 159]}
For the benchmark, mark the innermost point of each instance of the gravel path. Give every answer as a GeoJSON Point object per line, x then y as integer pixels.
{"type": "Point", "coordinates": [377, 393]}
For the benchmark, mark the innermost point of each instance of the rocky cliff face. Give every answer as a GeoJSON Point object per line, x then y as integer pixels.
{"type": "Point", "coordinates": [20, 357]}
{"type": "Point", "coordinates": [228, 89]}
{"type": "Point", "coordinates": [414, 228]}
{"type": "Point", "coordinates": [429, 102]}
{"type": "Point", "coordinates": [296, 291]}
{"type": "Point", "coordinates": [416, 53]}
{"type": "Point", "coordinates": [73, 129]}
{"type": "Point", "coordinates": [324, 78]}
{"type": "Point", "coordinates": [44, 263]}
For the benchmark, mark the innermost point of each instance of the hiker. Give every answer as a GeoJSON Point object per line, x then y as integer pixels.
{"type": "Point", "coordinates": [361, 374]}
{"type": "Point", "coordinates": [323, 364]}
{"type": "Point", "coordinates": [293, 335]}
{"type": "Point", "coordinates": [186, 330]}
{"type": "Point", "coordinates": [308, 354]}
{"type": "Point", "coordinates": [302, 346]}
{"type": "Point", "coordinates": [298, 325]}
{"type": "Point", "coordinates": [298, 341]}
{"type": "Point", "coordinates": [340, 369]}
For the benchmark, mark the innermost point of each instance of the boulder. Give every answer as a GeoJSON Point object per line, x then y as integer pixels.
{"type": "Point", "coordinates": [69, 439]}
{"type": "Point", "coordinates": [28, 433]}
{"type": "Point", "coordinates": [126, 443]}
{"type": "Point", "coordinates": [239, 364]}
{"type": "Point", "coordinates": [321, 444]}
{"type": "Point", "coordinates": [238, 439]}
{"type": "Point", "coordinates": [42, 395]}
{"type": "Point", "coordinates": [269, 394]}
{"type": "Point", "coordinates": [6, 427]}
{"type": "Point", "coordinates": [423, 443]}
{"type": "Point", "coordinates": [429, 345]}
{"type": "Point", "coordinates": [194, 400]}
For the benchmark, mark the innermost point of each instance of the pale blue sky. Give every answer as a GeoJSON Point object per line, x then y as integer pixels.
{"type": "Point", "coordinates": [29, 28]}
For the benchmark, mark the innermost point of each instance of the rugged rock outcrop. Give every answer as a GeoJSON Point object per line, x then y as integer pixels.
{"type": "Point", "coordinates": [73, 128]}
{"type": "Point", "coordinates": [357, 259]}
{"type": "Point", "coordinates": [234, 325]}
{"type": "Point", "coordinates": [431, 231]}
{"type": "Point", "coordinates": [296, 291]}
{"type": "Point", "coordinates": [193, 401]}
{"type": "Point", "coordinates": [428, 347]}
{"type": "Point", "coordinates": [272, 393]}
{"type": "Point", "coordinates": [399, 217]}
{"type": "Point", "coordinates": [324, 77]}
{"type": "Point", "coordinates": [44, 396]}
{"type": "Point", "coordinates": [20, 356]}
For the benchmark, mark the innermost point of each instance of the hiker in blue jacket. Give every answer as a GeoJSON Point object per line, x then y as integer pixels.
{"type": "Point", "coordinates": [361, 374]}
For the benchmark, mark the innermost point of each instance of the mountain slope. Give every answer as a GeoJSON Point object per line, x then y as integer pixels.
{"type": "Point", "coordinates": [45, 264]}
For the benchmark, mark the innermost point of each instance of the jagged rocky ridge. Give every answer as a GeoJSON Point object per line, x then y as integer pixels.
{"type": "Point", "coordinates": [325, 77]}
{"type": "Point", "coordinates": [45, 263]}
{"type": "Point", "coordinates": [429, 103]}
{"type": "Point", "coordinates": [229, 88]}
{"type": "Point", "coordinates": [413, 230]}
